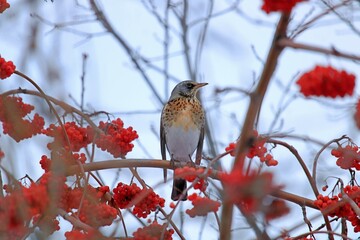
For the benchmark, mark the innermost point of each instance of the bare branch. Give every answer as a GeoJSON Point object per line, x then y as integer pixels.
{"type": "Point", "coordinates": [253, 110]}
{"type": "Point", "coordinates": [285, 42]}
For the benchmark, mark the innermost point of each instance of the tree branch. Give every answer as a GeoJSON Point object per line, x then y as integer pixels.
{"type": "Point", "coordinates": [253, 110]}
{"type": "Point", "coordinates": [285, 42]}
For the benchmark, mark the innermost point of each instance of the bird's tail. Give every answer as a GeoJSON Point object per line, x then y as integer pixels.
{"type": "Point", "coordinates": [179, 186]}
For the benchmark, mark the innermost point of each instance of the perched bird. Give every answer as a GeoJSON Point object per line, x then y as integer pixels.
{"type": "Point", "coordinates": [182, 130]}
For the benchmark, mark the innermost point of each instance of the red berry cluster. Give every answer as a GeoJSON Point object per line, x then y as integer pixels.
{"type": "Point", "coordinates": [191, 174]}
{"type": "Point", "coordinates": [124, 194]}
{"type": "Point", "coordinates": [23, 205]}
{"type": "Point", "coordinates": [6, 68]}
{"type": "Point", "coordinates": [301, 238]}
{"type": "Point", "coordinates": [153, 231]}
{"type": "Point", "coordinates": [90, 204]}
{"type": "Point", "coordinates": [149, 204]}
{"type": "Point", "coordinates": [116, 139]}
{"type": "Point", "coordinates": [12, 112]}
{"type": "Point", "coordinates": [24, 128]}
{"type": "Point", "coordinates": [257, 149]}
{"type": "Point", "coordinates": [79, 157]}
{"type": "Point", "coordinates": [81, 235]}
{"type": "Point", "coordinates": [327, 82]}
{"type": "Point", "coordinates": [322, 202]}
{"type": "Point", "coordinates": [269, 160]}
{"type": "Point", "coordinates": [347, 157]}
{"type": "Point", "coordinates": [231, 149]}
{"type": "Point", "coordinates": [47, 224]}
{"type": "Point", "coordinates": [36, 197]}
{"type": "Point", "coordinates": [97, 215]}
{"type": "Point", "coordinates": [50, 180]}
{"type": "Point", "coordinates": [344, 210]}
{"type": "Point", "coordinates": [78, 136]}
{"type": "Point", "coordinates": [146, 200]}
{"type": "Point", "coordinates": [247, 191]}
{"type": "Point", "coordinates": [12, 220]}
{"type": "Point", "coordinates": [202, 206]}
{"type": "Point", "coordinates": [277, 208]}
{"type": "Point", "coordinates": [279, 5]}
{"type": "Point", "coordinates": [64, 157]}
{"type": "Point", "coordinates": [45, 163]}
{"type": "Point", "coordinates": [101, 191]}
{"type": "Point", "coordinates": [354, 193]}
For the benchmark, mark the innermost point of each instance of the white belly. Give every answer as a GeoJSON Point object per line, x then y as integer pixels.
{"type": "Point", "coordinates": [181, 142]}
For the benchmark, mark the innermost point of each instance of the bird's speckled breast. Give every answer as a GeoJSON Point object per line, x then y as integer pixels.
{"type": "Point", "coordinates": [185, 113]}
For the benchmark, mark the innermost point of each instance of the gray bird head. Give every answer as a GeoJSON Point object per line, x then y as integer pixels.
{"type": "Point", "coordinates": [186, 89]}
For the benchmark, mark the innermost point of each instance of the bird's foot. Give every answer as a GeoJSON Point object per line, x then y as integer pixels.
{"type": "Point", "coordinates": [190, 164]}
{"type": "Point", "coordinates": [176, 163]}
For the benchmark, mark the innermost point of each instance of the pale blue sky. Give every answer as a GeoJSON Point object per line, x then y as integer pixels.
{"type": "Point", "coordinates": [114, 86]}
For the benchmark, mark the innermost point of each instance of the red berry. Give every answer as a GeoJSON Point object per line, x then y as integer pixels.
{"type": "Point", "coordinates": [327, 82]}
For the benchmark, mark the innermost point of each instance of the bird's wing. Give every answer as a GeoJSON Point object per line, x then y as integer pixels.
{"type": "Point", "coordinates": [199, 148]}
{"type": "Point", "coordinates": [162, 146]}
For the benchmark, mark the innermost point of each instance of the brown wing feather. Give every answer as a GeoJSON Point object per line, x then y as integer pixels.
{"type": "Point", "coordinates": [163, 147]}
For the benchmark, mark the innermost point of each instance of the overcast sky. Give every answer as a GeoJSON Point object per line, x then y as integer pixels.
{"type": "Point", "coordinates": [235, 47]}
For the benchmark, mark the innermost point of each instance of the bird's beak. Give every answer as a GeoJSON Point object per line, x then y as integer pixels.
{"type": "Point", "coordinates": [199, 85]}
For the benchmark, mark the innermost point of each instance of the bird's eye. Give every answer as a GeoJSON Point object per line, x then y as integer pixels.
{"type": "Point", "coordinates": [189, 85]}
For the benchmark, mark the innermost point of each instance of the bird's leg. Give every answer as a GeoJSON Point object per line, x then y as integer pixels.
{"type": "Point", "coordinates": [190, 163]}
{"type": "Point", "coordinates": [172, 161]}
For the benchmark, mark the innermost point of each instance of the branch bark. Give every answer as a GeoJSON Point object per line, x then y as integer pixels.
{"type": "Point", "coordinates": [285, 42]}
{"type": "Point", "coordinates": [256, 99]}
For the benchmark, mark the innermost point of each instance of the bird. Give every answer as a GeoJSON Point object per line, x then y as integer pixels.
{"type": "Point", "coordinates": [182, 126]}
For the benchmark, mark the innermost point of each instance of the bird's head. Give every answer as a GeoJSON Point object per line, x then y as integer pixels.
{"type": "Point", "coordinates": [186, 89]}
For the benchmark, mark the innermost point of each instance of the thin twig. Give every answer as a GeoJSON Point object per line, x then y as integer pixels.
{"type": "Point", "coordinates": [316, 159]}
{"type": "Point", "coordinates": [66, 107]}
{"type": "Point", "coordinates": [202, 37]}
{"type": "Point", "coordinates": [107, 25]}
{"type": "Point", "coordinates": [306, 220]}
{"type": "Point", "coordinates": [1, 186]}
{"type": "Point", "coordinates": [329, 233]}
{"type": "Point", "coordinates": [309, 23]}
{"type": "Point", "coordinates": [286, 42]}
{"type": "Point", "coordinates": [177, 230]}
{"type": "Point", "coordinates": [324, 212]}
{"type": "Point", "coordinates": [85, 56]}
{"type": "Point", "coordinates": [166, 48]}
{"type": "Point", "coordinates": [307, 173]}
{"type": "Point", "coordinates": [185, 41]}
{"type": "Point", "coordinates": [74, 221]}
{"type": "Point", "coordinates": [231, 8]}
{"type": "Point", "coordinates": [344, 229]}
{"type": "Point", "coordinates": [350, 24]}
{"type": "Point", "coordinates": [301, 162]}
